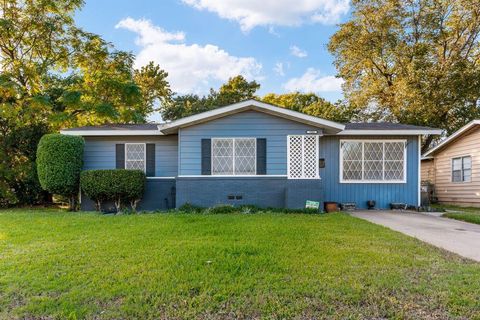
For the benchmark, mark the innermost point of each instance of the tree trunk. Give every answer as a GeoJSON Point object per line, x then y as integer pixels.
{"type": "Point", "coordinates": [72, 203]}
{"type": "Point", "coordinates": [118, 205]}
{"type": "Point", "coordinates": [426, 143]}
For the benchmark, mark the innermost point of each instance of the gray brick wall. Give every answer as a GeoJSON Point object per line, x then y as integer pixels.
{"type": "Point", "coordinates": [277, 192]}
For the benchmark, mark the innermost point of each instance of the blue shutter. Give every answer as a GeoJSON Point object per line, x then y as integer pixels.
{"type": "Point", "coordinates": [261, 156]}
{"type": "Point", "coordinates": [206, 156]}
{"type": "Point", "coordinates": [120, 156]}
{"type": "Point", "coordinates": [150, 154]}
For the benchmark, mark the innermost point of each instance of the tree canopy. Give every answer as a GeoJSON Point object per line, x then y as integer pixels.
{"type": "Point", "coordinates": [411, 61]}
{"type": "Point", "coordinates": [54, 75]}
{"type": "Point", "coordinates": [311, 104]}
{"type": "Point", "coordinates": [236, 89]}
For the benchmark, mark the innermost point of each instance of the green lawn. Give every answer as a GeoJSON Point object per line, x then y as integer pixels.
{"type": "Point", "coordinates": [471, 215]}
{"type": "Point", "coordinates": [55, 264]}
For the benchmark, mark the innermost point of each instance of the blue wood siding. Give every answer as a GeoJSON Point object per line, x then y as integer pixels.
{"type": "Point", "coordinates": [245, 124]}
{"type": "Point", "coordinates": [382, 193]}
{"type": "Point", "coordinates": [100, 153]}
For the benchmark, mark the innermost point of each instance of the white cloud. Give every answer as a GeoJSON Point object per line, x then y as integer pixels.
{"type": "Point", "coordinates": [297, 52]}
{"type": "Point", "coordinates": [279, 69]}
{"type": "Point", "coordinates": [190, 68]}
{"type": "Point", "coordinates": [252, 13]}
{"type": "Point", "coordinates": [313, 81]}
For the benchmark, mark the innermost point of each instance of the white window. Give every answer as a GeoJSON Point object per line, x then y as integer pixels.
{"type": "Point", "coordinates": [302, 153]}
{"type": "Point", "coordinates": [373, 161]}
{"type": "Point", "coordinates": [234, 156]}
{"type": "Point", "coordinates": [462, 169]}
{"type": "Point", "coordinates": [135, 154]}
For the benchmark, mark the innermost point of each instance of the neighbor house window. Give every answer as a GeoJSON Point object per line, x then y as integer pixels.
{"type": "Point", "coordinates": [135, 156]}
{"type": "Point", "coordinates": [234, 156]}
{"type": "Point", "coordinates": [303, 158]}
{"type": "Point", "coordinates": [462, 169]}
{"type": "Point", "coordinates": [372, 161]}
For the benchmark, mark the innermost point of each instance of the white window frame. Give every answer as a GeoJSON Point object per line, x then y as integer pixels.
{"type": "Point", "coordinates": [233, 156]}
{"type": "Point", "coordinates": [144, 155]}
{"type": "Point", "coordinates": [317, 156]}
{"type": "Point", "coordinates": [462, 169]}
{"type": "Point", "coordinates": [363, 141]}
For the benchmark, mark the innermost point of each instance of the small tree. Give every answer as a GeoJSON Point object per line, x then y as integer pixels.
{"type": "Point", "coordinates": [59, 163]}
{"type": "Point", "coordinates": [95, 185]}
{"type": "Point", "coordinates": [117, 185]}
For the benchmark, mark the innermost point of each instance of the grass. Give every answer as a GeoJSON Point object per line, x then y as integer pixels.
{"type": "Point", "coordinates": [55, 264]}
{"type": "Point", "coordinates": [471, 215]}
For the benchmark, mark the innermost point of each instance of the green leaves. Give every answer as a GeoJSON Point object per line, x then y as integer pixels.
{"type": "Point", "coordinates": [117, 185]}
{"type": "Point", "coordinates": [414, 62]}
{"type": "Point", "coordinates": [59, 163]}
{"type": "Point", "coordinates": [235, 90]}
{"type": "Point", "coordinates": [55, 75]}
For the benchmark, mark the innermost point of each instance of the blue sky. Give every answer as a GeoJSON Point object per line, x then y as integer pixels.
{"type": "Point", "coordinates": [279, 43]}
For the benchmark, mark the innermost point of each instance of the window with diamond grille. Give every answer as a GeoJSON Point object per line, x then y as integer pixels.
{"type": "Point", "coordinates": [377, 161]}
{"type": "Point", "coordinates": [303, 157]}
{"type": "Point", "coordinates": [135, 156]}
{"type": "Point", "coordinates": [234, 156]}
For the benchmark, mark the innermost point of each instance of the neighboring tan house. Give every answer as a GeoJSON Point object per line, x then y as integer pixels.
{"type": "Point", "coordinates": [255, 153]}
{"type": "Point", "coordinates": [453, 167]}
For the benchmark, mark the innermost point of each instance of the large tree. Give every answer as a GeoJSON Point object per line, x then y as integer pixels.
{"type": "Point", "coordinates": [311, 104]}
{"type": "Point", "coordinates": [412, 61]}
{"type": "Point", "coordinates": [236, 89]}
{"type": "Point", "coordinates": [54, 75]}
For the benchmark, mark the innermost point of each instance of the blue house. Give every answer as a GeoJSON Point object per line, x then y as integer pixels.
{"type": "Point", "coordinates": [256, 153]}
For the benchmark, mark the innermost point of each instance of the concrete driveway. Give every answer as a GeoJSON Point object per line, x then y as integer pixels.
{"type": "Point", "coordinates": [456, 236]}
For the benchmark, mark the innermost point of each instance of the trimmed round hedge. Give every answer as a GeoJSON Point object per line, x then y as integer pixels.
{"type": "Point", "coordinates": [117, 185]}
{"type": "Point", "coordinates": [59, 163]}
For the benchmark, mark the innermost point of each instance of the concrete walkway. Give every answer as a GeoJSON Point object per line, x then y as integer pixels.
{"type": "Point", "coordinates": [456, 236]}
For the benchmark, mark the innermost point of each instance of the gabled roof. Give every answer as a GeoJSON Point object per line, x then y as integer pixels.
{"type": "Point", "coordinates": [328, 127]}
{"type": "Point", "coordinates": [458, 134]}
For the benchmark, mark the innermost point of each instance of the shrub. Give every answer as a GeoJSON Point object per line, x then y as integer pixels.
{"type": "Point", "coordinates": [117, 185]}
{"type": "Point", "coordinates": [59, 163]}
{"type": "Point", "coordinates": [190, 208]}
{"type": "Point", "coordinates": [221, 208]}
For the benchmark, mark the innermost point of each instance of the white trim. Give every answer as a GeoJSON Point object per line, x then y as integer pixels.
{"type": "Point", "coordinates": [419, 169]}
{"type": "Point", "coordinates": [389, 132]}
{"type": "Point", "coordinates": [340, 159]}
{"type": "Point", "coordinates": [160, 178]}
{"type": "Point", "coordinates": [106, 132]}
{"type": "Point", "coordinates": [234, 139]}
{"type": "Point", "coordinates": [144, 155]}
{"type": "Point", "coordinates": [251, 105]}
{"type": "Point", "coordinates": [468, 126]}
{"type": "Point", "coordinates": [232, 176]}
{"type": "Point", "coordinates": [317, 156]}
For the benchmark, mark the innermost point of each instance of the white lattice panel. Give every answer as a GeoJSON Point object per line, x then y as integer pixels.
{"type": "Point", "coordinates": [295, 146]}
{"type": "Point", "coordinates": [303, 157]}
{"type": "Point", "coordinates": [135, 156]}
{"type": "Point", "coordinates": [310, 157]}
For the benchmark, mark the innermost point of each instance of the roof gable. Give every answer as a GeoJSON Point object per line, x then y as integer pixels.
{"type": "Point", "coordinates": [454, 137]}
{"type": "Point", "coordinates": [328, 127]}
